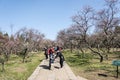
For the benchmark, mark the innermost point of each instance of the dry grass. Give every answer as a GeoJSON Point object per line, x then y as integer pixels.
{"type": "Point", "coordinates": [93, 70]}
{"type": "Point", "coordinates": [16, 70]}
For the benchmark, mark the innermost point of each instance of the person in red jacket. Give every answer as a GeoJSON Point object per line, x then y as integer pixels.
{"type": "Point", "coordinates": [51, 56]}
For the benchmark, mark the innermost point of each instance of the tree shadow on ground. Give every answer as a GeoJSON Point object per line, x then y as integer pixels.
{"type": "Point", "coordinates": [103, 75]}
{"type": "Point", "coordinates": [44, 66]}
{"type": "Point", "coordinates": [108, 73]}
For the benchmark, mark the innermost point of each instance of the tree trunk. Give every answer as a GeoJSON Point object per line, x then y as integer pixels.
{"type": "Point", "coordinates": [83, 54]}
{"type": "Point", "coordinates": [101, 58]}
{"type": "Point", "coordinates": [3, 66]}
{"type": "Point", "coordinates": [71, 48]}
{"type": "Point", "coordinates": [23, 59]}
{"type": "Point", "coordinates": [99, 54]}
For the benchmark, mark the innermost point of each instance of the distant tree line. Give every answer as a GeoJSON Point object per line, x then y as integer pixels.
{"type": "Point", "coordinates": [21, 43]}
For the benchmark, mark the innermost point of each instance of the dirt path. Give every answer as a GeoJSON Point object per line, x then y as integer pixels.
{"type": "Point", "coordinates": [56, 73]}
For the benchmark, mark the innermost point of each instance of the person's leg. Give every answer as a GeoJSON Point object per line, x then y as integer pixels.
{"type": "Point", "coordinates": [46, 56]}
{"type": "Point", "coordinates": [61, 63]}
{"type": "Point", "coordinates": [49, 64]}
{"type": "Point", "coordinates": [50, 60]}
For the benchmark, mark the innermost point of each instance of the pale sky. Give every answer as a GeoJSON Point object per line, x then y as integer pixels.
{"type": "Point", "coordinates": [47, 16]}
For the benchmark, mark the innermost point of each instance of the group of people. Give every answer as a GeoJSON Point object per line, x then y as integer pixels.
{"type": "Point", "coordinates": [52, 53]}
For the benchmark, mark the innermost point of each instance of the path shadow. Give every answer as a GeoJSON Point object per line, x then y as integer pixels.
{"type": "Point", "coordinates": [44, 66]}
{"type": "Point", "coordinates": [56, 67]}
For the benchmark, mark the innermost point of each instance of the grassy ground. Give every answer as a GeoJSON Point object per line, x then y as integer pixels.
{"type": "Point", "coordinates": [16, 70]}
{"type": "Point", "coordinates": [89, 66]}
{"type": "Point", "coordinates": [85, 65]}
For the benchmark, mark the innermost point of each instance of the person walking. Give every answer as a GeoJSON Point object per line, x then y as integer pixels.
{"type": "Point", "coordinates": [51, 57]}
{"type": "Point", "coordinates": [61, 57]}
{"type": "Point", "coordinates": [46, 53]}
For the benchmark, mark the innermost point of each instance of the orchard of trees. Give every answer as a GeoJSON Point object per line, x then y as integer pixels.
{"type": "Point", "coordinates": [98, 31]}
{"type": "Point", "coordinates": [21, 43]}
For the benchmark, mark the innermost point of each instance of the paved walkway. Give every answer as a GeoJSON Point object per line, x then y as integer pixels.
{"type": "Point", "coordinates": [56, 73]}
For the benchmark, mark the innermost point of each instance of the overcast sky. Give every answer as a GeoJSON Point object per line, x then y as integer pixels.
{"type": "Point", "coordinates": [47, 16]}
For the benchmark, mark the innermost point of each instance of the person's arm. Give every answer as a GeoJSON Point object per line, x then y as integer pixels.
{"type": "Point", "coordinates": [56, 55]}
{"type": "Point", "coordinates": [63, 57]}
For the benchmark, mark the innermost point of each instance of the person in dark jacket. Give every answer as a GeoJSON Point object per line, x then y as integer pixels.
{"type": "Point", "coordinates": [46, 53]}
{"type": "Point", "coordinates": [62, 59]}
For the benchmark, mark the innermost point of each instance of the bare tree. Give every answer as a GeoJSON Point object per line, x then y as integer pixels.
{"type": "Point", "coordinates": [30, 38]}
{"type": "Point", "coordinates": [116, 41]}
{"type": "Point", "coordinates": [106, 21]}
{"type": "Point", "coordinates": [84, 21]}
{"type": "Point", "coordinates": [3, 40]}
{"type": "Point", "coordinates": [62, 38]}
